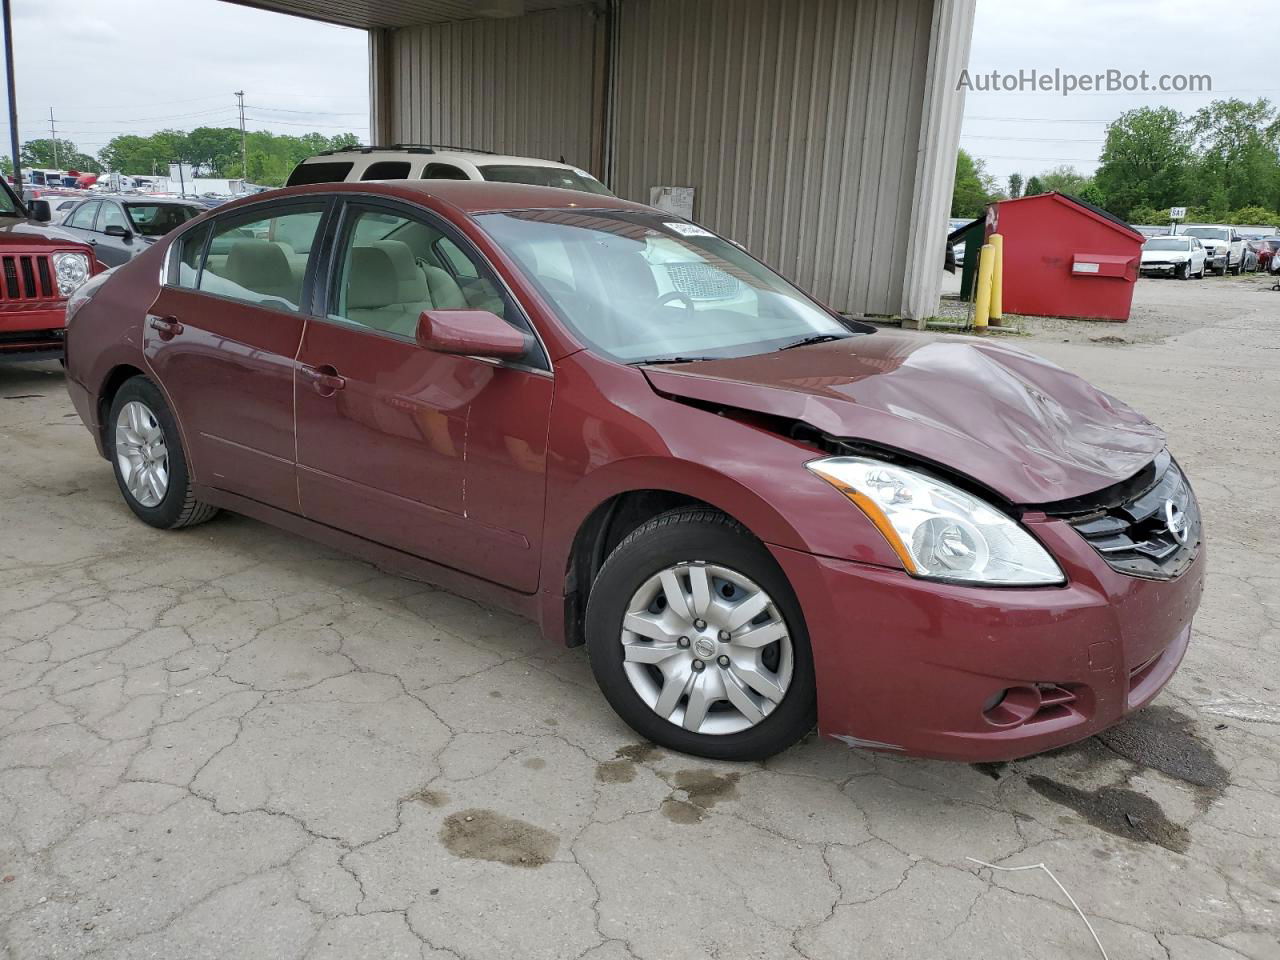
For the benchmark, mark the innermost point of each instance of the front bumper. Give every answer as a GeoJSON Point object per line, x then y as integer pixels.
{"type": "Point", "coordinates": [1159, 268]}
{"type": "Point", "coordinates": [912, 665]}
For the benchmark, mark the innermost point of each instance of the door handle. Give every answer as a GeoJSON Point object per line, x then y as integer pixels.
{"type": "Point", "coordinates": [324, 379]}
{"type": "Point", "coordinates": [166, 327]}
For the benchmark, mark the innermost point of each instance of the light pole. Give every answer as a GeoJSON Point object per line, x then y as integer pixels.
{"type": "Point", "coordinates": [244, 153]}
{"type": "Point", "coordinates": [13, 97]}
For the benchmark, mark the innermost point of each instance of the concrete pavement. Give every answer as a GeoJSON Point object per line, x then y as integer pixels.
{"type": "Point", "coordinates": [229, 742]}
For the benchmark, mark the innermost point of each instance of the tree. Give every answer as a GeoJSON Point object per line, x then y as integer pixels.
{"type": "Point", "coordinates": [974, 187]}
{"type": "Point", "coordinates": [1015, 185]}
{"type": "Point", "coordinates": [1146, 161]}
{"type": "Point", "coordinates": [1064, 179]}
{"type": "Point", "coordinates": [1239, 153]}
{"type": "Point", "coordinates": [1034, 186]}
{"type": "Point", "coordinates": [67, 156]}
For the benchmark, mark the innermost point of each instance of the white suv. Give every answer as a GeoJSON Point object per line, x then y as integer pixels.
{"type": "Point", "coordinates": [1223, 246]}
{"type": "Point", "coordinates": [422, 162]}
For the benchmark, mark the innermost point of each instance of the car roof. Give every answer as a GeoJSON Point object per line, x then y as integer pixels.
{"type": "Point", "coordinates": [467, 196]}
{"type": "Point", "coordinates": [432, 154]}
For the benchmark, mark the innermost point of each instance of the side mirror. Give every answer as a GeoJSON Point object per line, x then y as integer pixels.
{"type": "Point", "coordinates": [40, 211]}
{"type": "Point", "coordinates": [115, 230]}
{"type": "Point", "coordinates": [473, 333]}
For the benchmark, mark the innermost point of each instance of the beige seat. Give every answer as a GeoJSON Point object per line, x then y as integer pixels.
{"type": "Point", "coordinates": [442, 290]}
{"type": "Point", "coordinates": [255, 270]}
{"type": "Point", "coordinates": [380, 296]}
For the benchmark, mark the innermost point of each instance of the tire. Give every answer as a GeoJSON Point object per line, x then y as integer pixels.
{"type": "Point", "coordinates": [175, 505]}
{"type": "Point", "coordinates": [1200, 275]}
{"type": "Point", "coordinates": [705, 542]}
{"type": "Point", "coordinates": [1182, 271]}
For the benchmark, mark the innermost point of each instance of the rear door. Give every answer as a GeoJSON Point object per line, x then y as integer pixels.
{"type": "Point", "coordinates": [440, 456]}
{"type": "Point", "coordinates": [80, 221]}
{"type": "Point", "coordinates": [223, 340]}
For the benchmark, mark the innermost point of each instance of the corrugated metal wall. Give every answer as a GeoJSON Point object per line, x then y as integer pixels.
{"type": "Point", "coordinates": [796, 120]}
{"type": "Point", "coordinates": [528, 85]}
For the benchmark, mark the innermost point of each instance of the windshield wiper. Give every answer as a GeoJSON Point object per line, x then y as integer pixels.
{"type": "Point", "coordinates": [819, 338]}
{"type": "Point", "coordinates": [643, 363]}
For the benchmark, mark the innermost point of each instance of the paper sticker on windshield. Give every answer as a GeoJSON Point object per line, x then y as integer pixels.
{"type": "Point", "coordinates": [688, 230]}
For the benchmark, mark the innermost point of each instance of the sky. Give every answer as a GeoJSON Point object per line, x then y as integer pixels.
{"type": "Point", "coordinates": [1237, 45]}
{"type": "Point", "coordinates": [137, 66]}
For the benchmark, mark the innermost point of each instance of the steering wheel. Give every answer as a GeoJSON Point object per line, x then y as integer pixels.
{"type": "Point", "coordinates": [671, 297]}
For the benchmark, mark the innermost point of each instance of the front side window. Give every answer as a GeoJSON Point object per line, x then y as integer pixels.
{"type": "Point", "coordinates": [391, 271]}
{"type": "Point", "coordinates": [8, 200]}
{"type": "Point", "coordinates": [323, 171]}
{"type": "Point", "coordinates": [641, 287]}
{"type": "Point", "coordinates": [112, 216]}
{"type": "Point", "coordinates": [82, 216]}
{"type": "Point", "coordinates": [443, 171]}
{"type": "Point", "coordinates": [252, 261]}
{"type": "Point", "coordinates": [386, 170]}
{"type": "Point", "coordinates": [157, 219]}
{"type": "Point", "coordinates": [566, 178]}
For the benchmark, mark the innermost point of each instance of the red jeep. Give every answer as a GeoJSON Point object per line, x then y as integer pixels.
{"type": "Point", "coordinates": [40, 267]}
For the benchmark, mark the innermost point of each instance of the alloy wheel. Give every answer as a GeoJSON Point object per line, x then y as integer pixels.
{"type": "Point", "coordinates": [142, 454]}
{"type": "Point", "coordinates": [706, 649]}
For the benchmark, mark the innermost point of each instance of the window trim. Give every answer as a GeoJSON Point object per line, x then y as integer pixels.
{"type": "Point", "coordinates": [324, 288]}
{"type": "Point", "coordinates": [250, 213]}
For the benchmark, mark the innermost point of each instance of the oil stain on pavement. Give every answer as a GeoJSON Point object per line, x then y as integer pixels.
{"type": "Point", "coordinates": [703, 789]}
{"type": "Point", "coordinates": [477, 834]}
{"type": "Point", "coordinates": [1117, 810]}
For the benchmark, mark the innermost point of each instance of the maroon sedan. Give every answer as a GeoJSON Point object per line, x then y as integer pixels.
{"type": "Point", "coordinates": [754, 513]}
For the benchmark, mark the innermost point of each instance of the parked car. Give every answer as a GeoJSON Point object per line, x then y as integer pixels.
{"type": "Point", "coordinates": [39, 269]}
{"type": "Point", "coordinates": [1267, 250]}
{"type": "Point", "coordinates": [405, 162]}
{"type": "Point", "coordinates": [1222, 244]}
{"type": "Point", "coordinates": [1181, 257]}
{"type": "Point", "coordinates": [755, 513]}
{"type": "Point", "coordinates": [119, 228]}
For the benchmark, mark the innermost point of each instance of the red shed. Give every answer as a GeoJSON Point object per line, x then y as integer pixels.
{"type": "Point", "coordinates": [1064, 257]}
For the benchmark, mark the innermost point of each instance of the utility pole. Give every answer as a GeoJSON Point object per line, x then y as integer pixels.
{"type": "Point", "coordinates": [13, 98]}
{"type": "Point", "coordinates": [244, 153]}
{"type": "Point", "coordinates": [53, 138]}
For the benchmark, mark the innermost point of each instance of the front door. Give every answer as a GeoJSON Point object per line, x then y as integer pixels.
{"type": "Point", "coordinates": [223, 339]}
{"type": "Point", "coordinates": [115, 239]}
{"type": "Point", "coordinates": [440, 456]}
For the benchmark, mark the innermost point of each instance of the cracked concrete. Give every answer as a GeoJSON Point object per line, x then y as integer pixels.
{"type": "Point", "coordinates": [229, 742]}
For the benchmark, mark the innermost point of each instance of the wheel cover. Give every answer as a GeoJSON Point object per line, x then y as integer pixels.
{"type": "Point", "coordinates": [707, 649]}
{"type": "Point", "coordinates": [141, 454]}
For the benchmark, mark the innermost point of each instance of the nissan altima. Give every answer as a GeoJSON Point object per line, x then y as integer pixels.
{"type": "Point", "coordinates": [756, 514]}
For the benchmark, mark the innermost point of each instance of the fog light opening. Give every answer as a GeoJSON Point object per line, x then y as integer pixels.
{"type": "Point", "coordinates": [1012, 706]}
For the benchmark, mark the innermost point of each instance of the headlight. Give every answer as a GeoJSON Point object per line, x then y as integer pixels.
{"type": "Point", "coordinates": [938, 531]}
{"type": "Point", "coordinates": [72, 270]}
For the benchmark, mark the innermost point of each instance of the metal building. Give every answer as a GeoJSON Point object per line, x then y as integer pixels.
{"type": "Point", "coordinates": [820, 134]}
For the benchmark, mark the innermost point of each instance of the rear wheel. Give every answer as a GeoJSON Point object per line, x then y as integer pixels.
{"type": "Point", "coordinates": [697, 640]}
{"type": "Point", "coordinates": [149, 463]}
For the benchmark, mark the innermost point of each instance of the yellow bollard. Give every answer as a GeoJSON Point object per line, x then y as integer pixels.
{"type": "Point", "coordinates": [997, 280]}
{"type": "Point", "coordinates": [982, 303]}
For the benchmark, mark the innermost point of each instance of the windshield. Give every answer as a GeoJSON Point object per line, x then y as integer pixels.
{"type": "Point", "coordinates": [563, 177]}
{"type": "Point", "coordinates": [642, 287]}
{"type": "Point", "coordinates": [1166, 243]}
{"type": "Point", "coordinates": [157, 219]}
{"type": "Point", "coordinates": [1206, 233]}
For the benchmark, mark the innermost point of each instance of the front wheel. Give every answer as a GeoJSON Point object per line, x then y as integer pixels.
{"type": "Point", "coordinates": [698, 642]}
{"type": "Point", "coordinates": [150, 465]}
{"type": "Point", "coordinates": [1182, 271]}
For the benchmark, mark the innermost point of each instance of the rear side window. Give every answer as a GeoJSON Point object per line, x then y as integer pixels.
{"type": "Point", "coordinates": [82, 216]}
{"type": "Point", "coordinates": [326, 171]}
{"type": "Point", "coordinates": [249, 261]}
{"type": "Point", "coordinates": [387, 170]}
{"type": "Point", "coordinates": [190, 255]}
{"type": "Point", "coordinates": [443, 171]}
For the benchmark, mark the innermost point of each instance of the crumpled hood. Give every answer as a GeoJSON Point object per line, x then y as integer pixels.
{"type": "Point", "coordinates": [1015, 423]}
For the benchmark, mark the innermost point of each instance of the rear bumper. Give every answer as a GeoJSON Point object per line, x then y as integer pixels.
{"type": "Point", "coordinates": [912, 666]}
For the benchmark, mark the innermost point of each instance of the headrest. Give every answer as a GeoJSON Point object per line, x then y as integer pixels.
{"type": "Point", "coordinates": [258, 265]}
{"type": "Point", "coordinates": [413, 286]}
{"type": "Point", "coordinates": [373, 281]}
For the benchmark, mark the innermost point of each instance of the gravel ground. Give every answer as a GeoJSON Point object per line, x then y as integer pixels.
{"type": "Point", "coordinates": [232, 743]}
